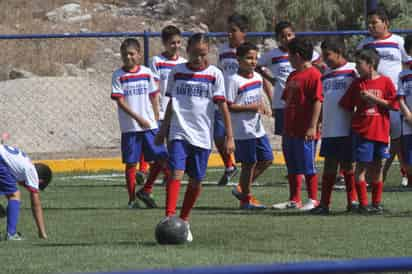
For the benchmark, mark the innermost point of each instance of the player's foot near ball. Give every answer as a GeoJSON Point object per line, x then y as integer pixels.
{"type": "Point", "coordinates": [189, 238]}
{"type": "Point", "coordinates": [146, 198]}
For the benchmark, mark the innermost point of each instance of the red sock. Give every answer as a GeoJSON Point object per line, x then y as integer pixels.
{"type": "Point", "coordinates": [362, 193]}
{"type": "Point", "coordinates": [377, 189]}
{"type": "Point", "coordinates": [172, 196]}
{"type": "Point", "coordinates": [328, 180]}
{"type": "Point", "coordinates": [312, 186]}
{"type": "Point", "coordinates": [143, 165]}
{"type": "Point", "coordinates": [228, 161]}
{"type": "Point", "coordinates": [351, 195]}
{"type": "Point", "coordinates": [403, 172]}
{"type": "Point", "coordinates": [409, 180]}
{"type": "Point", "coordinates": [130, 172]}
{"type": "Point", "coordinates": [153, 172]}
{"type": "Point", "coordinates": [295, 185]}
{"type": "Point", "coordinates": [191, 195]}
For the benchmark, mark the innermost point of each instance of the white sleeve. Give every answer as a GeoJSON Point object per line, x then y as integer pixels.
{"type": "Point", "coordinates": [154, 69]}
{"type": "Point", "coordinates": [231, 90]}
{"type": "Point", "coordinates": [219, 86]}
{"type": "Point", "coordinates": [153, 87]}
{"type": "Point", "coordinates": [117, 90]}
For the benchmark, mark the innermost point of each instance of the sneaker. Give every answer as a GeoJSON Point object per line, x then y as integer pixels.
{"type": "Point", "coordinates": [189, 238]}
{"type": "Point", "coordinates": [404, 182]}
{"type": "Point", "coordinates": [376, 209]}
{"type": "Point", "coordinates": [364, 209]}
{"type": "Point", "coordinates": [340, 183]}
{"type": "Point", "coordinates": [146, 198]}
{"type": "Point", "coordinates": [133, 204]}
{"type": "Point", "coordinates": [140, 177]}
{"type": "Point", "coordinates": [227, 176]}
{"type": "Point", "coordinates": [310, 204]}
{"type": "Point", "coordinates": [287, 205]}
{"type": "Point", "coordinates": [3, 212]}
{"type": "Point", "coordinates": [353, 207]}
{"type": "Point", "coordinates": [15, 237]}
{"type": "Point", "coordinates": [237, 192]}
{"type": "Point", "coordinates": [319, 210]}
{"type": "Point", "coordinates": [252, 204]}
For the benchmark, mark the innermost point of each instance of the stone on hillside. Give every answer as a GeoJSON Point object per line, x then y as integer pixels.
{"type": "Point", "coordinates": [16, 73]}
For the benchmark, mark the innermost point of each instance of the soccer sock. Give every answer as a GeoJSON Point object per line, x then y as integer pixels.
{"type": "Point", "coordinates": [351, 195]}
{"type": "Point", "coordinates": [328, 180]}
{"type": "Point", "coordinates": [227, 158]}
{"type": "Point", "coordinates": [143, 165]}
{"type": "Point", "coordinates": [295, 185]}
{"type": "Point", "coordinates": [229, 162]}
{"type": "Point", "coordinates": [403, 172]}
{"type": "Point", "coordinates": [153, 173]}
{"type": "Point", "coordinates": [131, 181]}
{"type": "Point", "coordinates": [377, 189]}
{"type": "Point", "coordinates": [191, 195]}
{"type": "Point", "coordinates": [13, 210]}
{"type": "Point", "coordinates": [172, 196]}
{"type": "Point", "coordinates": [312, 186]}
{"type": "Point", "coordinates": [362, 193]}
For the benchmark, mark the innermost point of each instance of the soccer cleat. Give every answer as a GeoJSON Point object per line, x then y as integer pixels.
{"type": "Point", "coordinates": [252, 204]}
{"type": "Point", "coordinates": [340, 183]}
{"type": "Point", "coordinates": [227, 176]}
{"type": "Point", "coordinates": [376, 209]}
{"type": "Point", "coordinates": [287, 205]}
{"type": "Point", "coordinates": [404, 182]}
{"type": "Point", "coordinates": [319, 210]}
{"type": "Point", "coordinates": [140, 177]}
{"type": "Point", "coordinates": [353, 207]}
{"type": "Point", "coordinates": [133, 204]}
{"type": "Point", "coordinates": [237, 192]}
{"type": "Point", "coordinates": [146, 198]}
{"type": "Point", "coordinates": [15, 237]}
{"type": "Point", "coordinates": [310, 204]}
{"type": "Point", "coordinates": [189, 238]}
{"type": "Point", "coordinates": [364, 209]}
{"type": "Point", "coordinates": [3, 212]}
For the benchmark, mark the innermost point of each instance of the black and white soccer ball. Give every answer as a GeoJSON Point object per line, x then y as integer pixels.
{"type": "Point", "coordinates": [171, 231]}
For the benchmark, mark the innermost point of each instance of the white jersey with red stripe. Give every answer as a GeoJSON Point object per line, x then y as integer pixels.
{"type": "Point", "coordinates": [277, 61]}
{"type": "Point", "coordinates": [161, 67]}
{"type": "Point", "coordinates": [21, 167]}
{"type": "Point", "coordinates": [336, 122]}
{"type": "Point", "coordinates": [193, 94]}
{"type": "Point", "coordinates": [244, 91]}
{"type": "Point", "coordinates": [405, 90]}
{"type": "Point", "coordinates": [227, 60]}
{"type": "Point", "coordinates": [135, 87]}
{"type": "Point", "coordinates": [391, 52]}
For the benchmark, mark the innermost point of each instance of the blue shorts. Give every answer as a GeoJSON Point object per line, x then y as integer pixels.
{"type": "Point", "coordinates": [366, 151]}
{"type": "Point", "coordinates": [187, 157]}
{"type": "Point", "coordinates": [299, 155]}
{"type": "Point", "coordinates": [253, 150]}
{"type": "Point", "coordinates": [134, 143]}
{"type": "Point", "coordinates": [339, 148]}
{"type": "Point", "coordinates": [8, 183]}
{"type": "Point", "coordinates": [219, 131]}
{"type": "Point", "coordinates": [278, 113]}
{"type": "Point", "coordinates": [406, 149]}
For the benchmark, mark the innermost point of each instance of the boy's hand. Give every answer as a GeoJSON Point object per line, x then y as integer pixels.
{"type": "Point", "coordinates": [229, 145]}
{"type": "Point", "coordinates": [160, 138]}
{"type": "Point", "coordinates": [408, 119]}
{"type": "Point", "coordinates": [144, 123]}
{"type": "Point", "coordinates": [367, 97]}
{"type": "Point", "coordinates": [268, 112]}
{"type": "Point", "coordinates": [310, 134]}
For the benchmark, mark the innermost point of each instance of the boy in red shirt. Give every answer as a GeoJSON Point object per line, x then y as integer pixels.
{"type": "Point", "coordinates": [370, 98]}
{"type": "Point", "coordinates": [303, 97]}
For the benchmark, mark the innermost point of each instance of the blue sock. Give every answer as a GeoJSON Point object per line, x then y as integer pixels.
{"type": "Point", "coordinates": [13, 210]}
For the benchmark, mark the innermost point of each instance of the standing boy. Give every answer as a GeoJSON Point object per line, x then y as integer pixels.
{"type": "Point", "coordinates": [136, 94]}
{"type": "Point", "coordinates": [303, 101]}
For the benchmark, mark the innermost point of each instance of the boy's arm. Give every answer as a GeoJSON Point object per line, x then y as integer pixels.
{"type": "Point", "coordinates": [164, 128]}
{"type": "Point", "coordinates": [388, 104]}
{"type": "Point", "coordinates": [123, 105]}
{"type": "Point", "coordinates": [312, 130]}
{"type": "Point", "coordinates": [38, 214]}
{"type": "Point", "coordinates": [245, 108]}
{"type": "Point", "coordinates": [229, 142]}
{"type": "Point", "coordinates": [405, 110]}
{"type": "Point", "coordinates": [155, 100]}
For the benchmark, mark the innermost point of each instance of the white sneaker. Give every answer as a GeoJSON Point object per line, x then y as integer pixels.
{"type": "Point", "coordinates": [189, 238]}
{"type": "Point", "coordinates": [404, 181]}
{"type": "Point", "coordinates": [287, 205]}
{"type": "Point", "coordinates": [310, 204]}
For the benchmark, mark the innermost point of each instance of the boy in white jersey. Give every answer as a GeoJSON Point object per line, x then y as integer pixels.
{"type": "Point", "coordinates": [405, 101]}
{"type": "Point", "coordinates": [162, 64]}
{"type": "Point", "coordinates": [253, 149]}
{"type": "Point", "coordinates": [336, 144]}
{"type": "Point", "coordinates": [194, 87]}
{"type": "Point", "coordinates": [135, 91]}
{"type": "Point", "coordinates": [390, 48]}
{"type": "Point", "coordinates": [227, 61]}
{"type": "Point", "coordinates": [17, 168]}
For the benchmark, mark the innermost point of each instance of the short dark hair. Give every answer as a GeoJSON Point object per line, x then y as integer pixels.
{"type": "Point", "coordinates": [333, 44]}
{"type": "Point", "coordinates": [369, 55]}
{"type": "Point", "coordinates": [244, 48]}
{"type": "Point", "coordinates": [408, 43]}
{"type": "Point", "coordinates": [281, 26]}
{"type": "Point", "coordinates": [381, 13]}
{"type": "Point", "coordinates": [239, 20]}
{"type": "Point", "coordinates": [130, 42]}
{"type": "Point", "coordinates": [44, 173]}
{"type": "Point", "coordinates": [197, 38]}
{"type": "Point", "coordinates": [301, 46]}
{"type": "Point", "coordinates": [169, 31]}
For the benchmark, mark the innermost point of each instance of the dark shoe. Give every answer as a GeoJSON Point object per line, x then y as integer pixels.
{"type": "Point", "coordinates": [353, 207]}
{"type": "Point", "coordinates": [140, 178]}
{"type": "Point", "coordinates": [146, 198]}
{"type": "Point", "coordinates": [364, 209]}
{"type": "Point", "coordinates": [376, 209]}
{"type": "Point", "coordinates": [319, 210]}
{"type": "Point", "coordinates": [227, 176]}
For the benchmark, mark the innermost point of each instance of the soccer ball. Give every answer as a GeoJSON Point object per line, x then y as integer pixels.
{"type": "Point", "coordinates": [172, 231]}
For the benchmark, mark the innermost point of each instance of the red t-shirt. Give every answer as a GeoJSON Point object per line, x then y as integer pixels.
{"type": "Point", "coordinates": [302, 90]}
{"type": "Point", "coordinates": [370, 120]}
